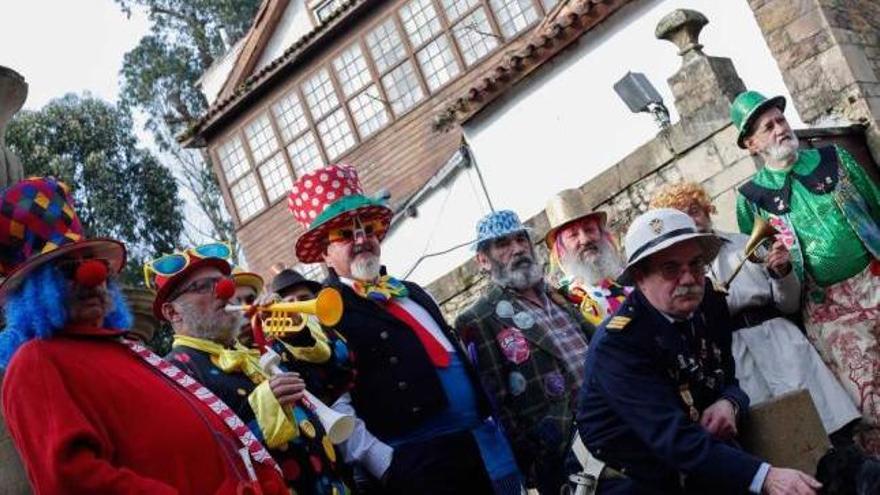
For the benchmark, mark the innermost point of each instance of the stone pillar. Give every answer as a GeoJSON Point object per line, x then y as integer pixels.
{"type": "Point", "coordinates": [140, 301]}
{"type": "Point", "coordinates": [829, 54]}
{"type": "Point", "coordinates": [704, 86]}
{"type": "Point", "coordinates": [13, 92]}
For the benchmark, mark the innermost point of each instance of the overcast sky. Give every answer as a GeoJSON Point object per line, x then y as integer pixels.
{"type": "Point", "coordinates": [62, 46]}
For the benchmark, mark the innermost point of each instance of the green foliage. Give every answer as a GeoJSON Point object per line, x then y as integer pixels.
{"type": "Point", "coordinates": [159, 78]}
{"type": "Point", "coordinates": [120, 190]}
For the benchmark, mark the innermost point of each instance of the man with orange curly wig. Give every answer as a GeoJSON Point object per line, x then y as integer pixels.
{"type": "Point", "coordinates": [772, 355]}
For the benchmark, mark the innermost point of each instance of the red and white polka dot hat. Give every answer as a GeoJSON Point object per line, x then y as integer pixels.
{"type": "Point", "coordinates": [328, 198]}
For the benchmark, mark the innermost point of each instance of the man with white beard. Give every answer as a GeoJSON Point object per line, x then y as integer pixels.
{"type": "Point", "coordinates": [424, 424]}
{"type": "Point", "coordinates": [583, 256]}
{"type": "Point", "coordinates": [827, 211]}
{"type": "Point", "coordinates": [529, 345]}
{"type": "Point", "coordinates": [772, 355]}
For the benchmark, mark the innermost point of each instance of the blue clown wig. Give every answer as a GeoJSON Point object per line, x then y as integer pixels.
{"type": "Point", "coordinates": [36, 310]}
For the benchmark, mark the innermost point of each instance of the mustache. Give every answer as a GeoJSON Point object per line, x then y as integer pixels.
{"type": "Point", "coordinates": [362, 248]}
{"type": "Point", "coordinates": [687, 290]}
{"type": "Point", "coordinates": [82, 293]}
{"type": "Point", "coordinates": [522, 261]}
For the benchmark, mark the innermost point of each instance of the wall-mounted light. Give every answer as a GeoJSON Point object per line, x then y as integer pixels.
{"type": "Point", "coordinates": [640, 96]}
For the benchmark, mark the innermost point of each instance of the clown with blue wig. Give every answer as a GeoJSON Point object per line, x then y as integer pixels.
{"type": "Point", "coordinates": [89, 410]}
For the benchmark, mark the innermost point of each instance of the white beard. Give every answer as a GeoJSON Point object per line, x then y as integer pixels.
{"type": "Point", "coordinates": [366, 266]}
{"type": "Point", "coordinates": [781, 153]}
{"type": "Point", "coordinates": [519, 277]}
{"type": "Point", "coordinates": [605, 264]}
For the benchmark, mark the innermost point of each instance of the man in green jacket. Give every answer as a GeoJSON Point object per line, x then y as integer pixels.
{"type": "Point", "coordinates": [827, 211]}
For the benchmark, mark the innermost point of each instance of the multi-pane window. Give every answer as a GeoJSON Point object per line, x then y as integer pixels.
{"type": "Point", "coordinates": [514, 15]}
{"type": "Point", "coordinates": [311, 271]}
{"type": "Point", "coordinates": [368, 111]}
{"type": "Point", "coordinates": [261, 138]}
{"type": "Point", "coordinates": [402, 87]}
{"type": "Point", "coordinates": [336, 134]}
{"type": "Point", "coordinates": [319, 93]}
{"type": "Point", "coordinates": [304, 154]}
{"type": "Point", "coordinates": [438, 63]}
{"type": "Point", "coordinates": [420, 21]}
{"type": "Point", "coordinates": [290, 116]}
{"type": "Point", "coordinates": [276, 177]}
{"type": "Point", "coordinates": [457, 8]}
{"type": "Point", "coordinates": [351, 67]}
{"type": "Point", "coordinates": [475, 37]}
{"type": "Point", "coordinates": [414, 52]}
{"type": "Point", "coordinates": [325, 9]}
{"type": "Point", "coordinates": [385, 45]}
{"type": "Point", "coordinates": [233, 160]}
{"type": "Point", "coordinates": [246, 196]}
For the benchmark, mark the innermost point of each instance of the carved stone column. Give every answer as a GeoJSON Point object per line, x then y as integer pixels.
{"type": "Point", "coordinates": [13, 92]}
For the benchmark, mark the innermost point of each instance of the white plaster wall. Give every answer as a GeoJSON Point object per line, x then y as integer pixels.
{"type": "Point", "coordinates": [212, 81]}
{"type": "Point", "coordinates": [566, 125]}
{"type": "Point", "coordinates": [446, 218]}
{"type": "Point", "coordinates": [294, 23]}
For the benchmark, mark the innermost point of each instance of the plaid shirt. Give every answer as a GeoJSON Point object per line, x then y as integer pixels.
{"type": "Point", "coordinates": [564, 331]}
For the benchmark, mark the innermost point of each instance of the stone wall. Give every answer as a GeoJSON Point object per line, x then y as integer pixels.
{"type": "Point", "coordinates": [829, 55]}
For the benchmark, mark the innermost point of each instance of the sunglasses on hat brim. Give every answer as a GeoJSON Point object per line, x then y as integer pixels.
{"type": "Point", "coordinates": [174, 263]}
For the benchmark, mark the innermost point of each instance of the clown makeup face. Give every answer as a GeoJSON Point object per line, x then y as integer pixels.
{"type": "Point", "coordinates": [585, 252]}
{"type": "Point", "coordinates": [510, 260]}
{"type": "Point", "coordinates": [672, 279]}
{"type": "Point", "coordinates": [353, 252]}
{"type": "Point", "coordinates": [85, 305]}
{"type": "Point", "coordinates": [198, 313]}
{"type": "Point", "coordinates": [773, 139]}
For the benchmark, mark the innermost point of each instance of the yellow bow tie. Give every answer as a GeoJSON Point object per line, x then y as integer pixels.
{"type": "Point", "coordinates": [240, 359]}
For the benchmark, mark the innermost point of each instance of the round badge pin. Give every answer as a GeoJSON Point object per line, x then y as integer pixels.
{"type": "Point", "coordinates": [516, 382]}
{"type": "Point", "coordinates": [504, 309]}
{"type": "Point", "coordinates": [524, 320]}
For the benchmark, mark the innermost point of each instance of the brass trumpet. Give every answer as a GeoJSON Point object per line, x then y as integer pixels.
{"type": "Point", "coordinates": [762, 232]}
{"type": "Point", "coordinates": [283, 318]}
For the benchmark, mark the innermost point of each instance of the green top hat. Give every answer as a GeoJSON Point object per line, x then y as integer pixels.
{"type": "Point", "coordinates": [747, 107]}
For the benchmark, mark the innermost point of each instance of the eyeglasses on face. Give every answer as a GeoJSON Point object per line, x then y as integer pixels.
{"type": "Point", "coordinates": [172, 264]}
{"type": "Point", "coordinates": [200, 286]}
{"type": "Point", "coordinates": [672, 271]}
{"type": "Point", "coordinates": [368, 228]}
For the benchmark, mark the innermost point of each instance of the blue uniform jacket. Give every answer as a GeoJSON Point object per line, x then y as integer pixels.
{"type": "Point", "coordinates": [633, 415]}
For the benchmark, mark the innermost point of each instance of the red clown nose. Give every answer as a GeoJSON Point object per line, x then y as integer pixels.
{"type": "Point", "coordinates": [91, 273]}
{"type": "Point", "coordinates": [224, 289]}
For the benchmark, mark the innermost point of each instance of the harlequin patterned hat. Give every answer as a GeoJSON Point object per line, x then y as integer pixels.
{"type": "Point", "coordinates": [38, 224]}
{"type": "Point", "coordinates": [498, 224]}
{"type": "Point", "coordinates": [329, 198]}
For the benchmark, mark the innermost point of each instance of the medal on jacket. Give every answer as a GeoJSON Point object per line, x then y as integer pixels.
{"type": "Point", "coordinates": [685, 392]}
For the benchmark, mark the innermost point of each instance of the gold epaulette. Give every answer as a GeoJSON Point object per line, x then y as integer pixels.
{"type": "Point", "coordinates": [617, 323]}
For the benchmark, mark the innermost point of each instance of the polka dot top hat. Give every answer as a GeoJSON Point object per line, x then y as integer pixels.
{"type": "Point", "coordinates": [37, 225]}
{"type": "Point", "coordinates": [329, 198]}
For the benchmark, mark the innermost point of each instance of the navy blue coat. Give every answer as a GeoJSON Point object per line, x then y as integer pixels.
{"type": "Point", "coordinates": [632, 414]}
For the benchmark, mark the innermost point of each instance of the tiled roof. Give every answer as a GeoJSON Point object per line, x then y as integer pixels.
{"type": "Point", "coordinates": [222, 105]}
{"type": "Point", "coordinates": [563, 25]}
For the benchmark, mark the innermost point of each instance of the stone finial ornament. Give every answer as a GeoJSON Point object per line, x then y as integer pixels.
{"type": "Point", "coordinates": [13, 92]}
{"type": "Point", "coordinates": [682, 27]}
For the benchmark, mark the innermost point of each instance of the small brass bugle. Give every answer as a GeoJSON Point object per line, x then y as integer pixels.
{"type": "Point", "coordinates": [288, 317]}
{"type": "Point", "coordinates": [762, 232]}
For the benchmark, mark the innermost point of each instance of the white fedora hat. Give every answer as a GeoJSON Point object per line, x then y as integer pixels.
{"type": "Point", "coordinates": [656, 230]}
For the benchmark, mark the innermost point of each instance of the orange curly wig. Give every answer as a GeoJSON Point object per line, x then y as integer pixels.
{"type": "Point", "coordinates": [682, 196]}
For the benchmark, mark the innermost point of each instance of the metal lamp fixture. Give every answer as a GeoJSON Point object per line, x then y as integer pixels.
{"type": "Point", "coordinates": [640, 96]}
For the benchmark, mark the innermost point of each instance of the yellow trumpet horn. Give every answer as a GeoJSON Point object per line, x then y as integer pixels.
{"type": "Point", "coordinates": [284, 317]}
{"type": "Point", "coordinates": [762, 231]}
